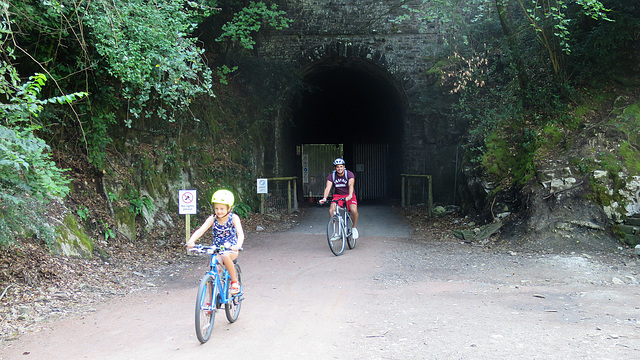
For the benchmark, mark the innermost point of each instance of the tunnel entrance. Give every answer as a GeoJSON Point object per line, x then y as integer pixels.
{"type": "Point", "coordinates": [358, 105]}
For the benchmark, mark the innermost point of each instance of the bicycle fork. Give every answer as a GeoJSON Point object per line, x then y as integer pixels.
{"type": "Point", "coordinates": [344, 221]}
{"type": "Point", "coordinates": [342, 226]}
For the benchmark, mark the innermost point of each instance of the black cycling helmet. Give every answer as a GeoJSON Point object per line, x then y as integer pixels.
{"type": "Point", "coordinates": [338, 161]}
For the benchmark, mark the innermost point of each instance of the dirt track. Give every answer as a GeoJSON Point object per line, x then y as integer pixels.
{"type": "Point", "coordinates": [390, 298]}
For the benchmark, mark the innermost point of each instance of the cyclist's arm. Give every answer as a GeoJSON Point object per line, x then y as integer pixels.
{"type": "Point", "coordinates": [200, 232]}
{"type": "Point", "coordinates": [327, 189]}
{"type": "Point", "coordinates": [239, 231]}
{"type": "Point", "coordinates": [351, 184]}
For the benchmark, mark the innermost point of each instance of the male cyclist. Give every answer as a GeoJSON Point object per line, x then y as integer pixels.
{"type": "Point", "coordinates": [344, 181]}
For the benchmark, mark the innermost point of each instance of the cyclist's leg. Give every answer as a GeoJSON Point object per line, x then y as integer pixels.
{"type": "Point", "coordinates": [354, 214]}
{"type": "Point", "coordinates": [353, 208]}
{"type": "Point", "coordinates": [332, 209]}
{"type": "Point", "coordinates": [227, 259]}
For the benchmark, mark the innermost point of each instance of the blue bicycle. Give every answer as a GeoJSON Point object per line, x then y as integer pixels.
{"type": "Point", "coordinates": [215, 291]}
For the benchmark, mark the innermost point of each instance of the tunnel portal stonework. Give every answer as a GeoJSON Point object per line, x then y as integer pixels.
{"type": "Point", "coordinates": [364, 30]}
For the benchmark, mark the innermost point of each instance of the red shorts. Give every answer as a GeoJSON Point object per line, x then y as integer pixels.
{"type": "Point", "coordinates": [353, 200]}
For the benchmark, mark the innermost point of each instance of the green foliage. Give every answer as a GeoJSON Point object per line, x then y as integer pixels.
{"type": "Point", "coordinates": [603, 49]}
{"type": "Point", "coordinates": [507, 61]}
{"type": "Point", "coordinates": [548, 21]}
{"type": "Point", "coordinates": [108, 232]}
{"type": "Point", "coordinates": [610, 163]}
{"type": "Point", "coordinates": [137, 203]}
{"type": "Point", "coordinates": [147, 47]}
{"type": "Point", "coordinates": [552, 135]}
{"type": "Point", "coordinates": [140, 60]}
{"type": "Point", "coordinates": [24, 104]}
{"type": "Point", "coordinates": [242, 209]}
{"type": "Point", "coordinates": [112, 197]}
{"type": "Point", "coordinates": [99, 138]}
{"type": "Point", "coordinates": [631, 157]}
{"type": "Point", "coordinates": [23, 219]}
{"type": "Point", "coordinates": [223, 71]}
{"type": "Point", "coordinates": [250, 20]}
{"type": "Point", "coordinates": [25, 164]}
{"type": "Point", "coordinates": [511, 164]}
{"type": "Point", "coordinates": [584, 165]}
{"type": "Point", "coordinates": [553, 17]}
{"type": "Point", "coordinates": [26, 167]}
{"type": "Point", "coordinates": [628, 122]}
{"type": "Point", "coordinates": [83, 212]}
{"type": "Point", "coordinates": [28, 176]}
{"type": "Point", "coordinates": [497, 156]}
{"type": "Point", "coordinates": [599, 193]}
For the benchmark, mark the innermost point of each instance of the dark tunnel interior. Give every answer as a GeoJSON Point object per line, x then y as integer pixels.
{"type": "Point", "coordinates": [344, 105]}
{"type": "Point", "coordinates": [351, 104]}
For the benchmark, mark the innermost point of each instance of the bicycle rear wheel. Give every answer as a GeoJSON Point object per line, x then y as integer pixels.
{"type": "Point", "coordinates": [205, 308]}
{"type": "Point", "coordinates": [351, 241]}
{"type": "Point", "coordinates": [335, 236]}
{"type": "Point", "coordinates": [232, 308]}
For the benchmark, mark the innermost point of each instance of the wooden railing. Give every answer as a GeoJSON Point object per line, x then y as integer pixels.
{"type": "Point", "coordinates": [291, 196]}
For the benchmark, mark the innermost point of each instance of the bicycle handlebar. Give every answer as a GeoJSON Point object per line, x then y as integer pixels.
{"type": "Point", "coordinates": [337, 201]}
{"type": "Point", "coordinates": [209, 249]}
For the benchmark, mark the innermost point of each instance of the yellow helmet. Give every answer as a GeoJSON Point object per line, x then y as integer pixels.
{"type": "Point", "coordinates": [223, 197]}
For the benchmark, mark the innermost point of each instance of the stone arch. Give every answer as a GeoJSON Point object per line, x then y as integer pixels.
{"type": "Point", "coordinates": [376, 83]}
{"type": "Point", "coordinates": [340, 51]}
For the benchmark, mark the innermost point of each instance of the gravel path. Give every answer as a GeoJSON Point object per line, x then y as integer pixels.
{"type": "Point", "coordinates": [390, 298]}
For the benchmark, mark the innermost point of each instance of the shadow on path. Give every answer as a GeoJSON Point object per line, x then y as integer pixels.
{"type": "Point", "coordinates": [375, 220]}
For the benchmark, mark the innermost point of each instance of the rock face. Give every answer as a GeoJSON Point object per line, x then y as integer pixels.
{"type": "Point", "coordinates": [630, 194]}
{"type": "Point", "coordinates": [585, 196]}
{"type": "Point", "coordinates": [72, 240]}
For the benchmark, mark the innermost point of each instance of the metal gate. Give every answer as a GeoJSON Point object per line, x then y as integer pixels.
{"type": "Point", "coordinates": [317, 163]}
{"type": "Point", "coordinates": [370, 169]}
{"type": "Point", "coordinates": [368, 162]}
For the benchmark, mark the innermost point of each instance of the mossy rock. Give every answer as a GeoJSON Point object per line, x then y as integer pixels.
{"type": "Point", "coordinates": [72, 240]}
{"type": "Point", "coordinates": [125, 222]}
{"type": "Point", "coordinates": [629, 229]}
{"type": "Point", "coordinates": [632, 221]}
{"type": "Point", "coordinates": [631, 240]}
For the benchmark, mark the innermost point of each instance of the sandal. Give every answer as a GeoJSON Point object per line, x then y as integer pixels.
{"type": "Point", "coordinates": [235, 287]}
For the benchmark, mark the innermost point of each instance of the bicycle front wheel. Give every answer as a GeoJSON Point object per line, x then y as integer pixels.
{"type": "Point", "coordinates": [205, 308]}
{"type": "Point", "coordinates": [335, 236]}
{"type": "Point", "coordinates": [232, 308]}
{"type": "Point", "coordinates": [351, 241]}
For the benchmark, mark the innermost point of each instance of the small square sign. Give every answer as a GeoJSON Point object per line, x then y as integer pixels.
{"type": "Point", "coordinates": [188, 202]}
{"type": "Point", "coordinates": [263, 186]}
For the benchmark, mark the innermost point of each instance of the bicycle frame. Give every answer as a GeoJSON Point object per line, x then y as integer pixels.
{"type": "Point", "coordinates": [214, 292]}
{"type": "Point", "coordinates": [344, 214]}
{"type": "Point", "coordinates": [219, 286]}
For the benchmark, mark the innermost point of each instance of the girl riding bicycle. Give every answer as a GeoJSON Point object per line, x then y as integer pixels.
{"type": "Point", "coordinates": [227, 232]}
